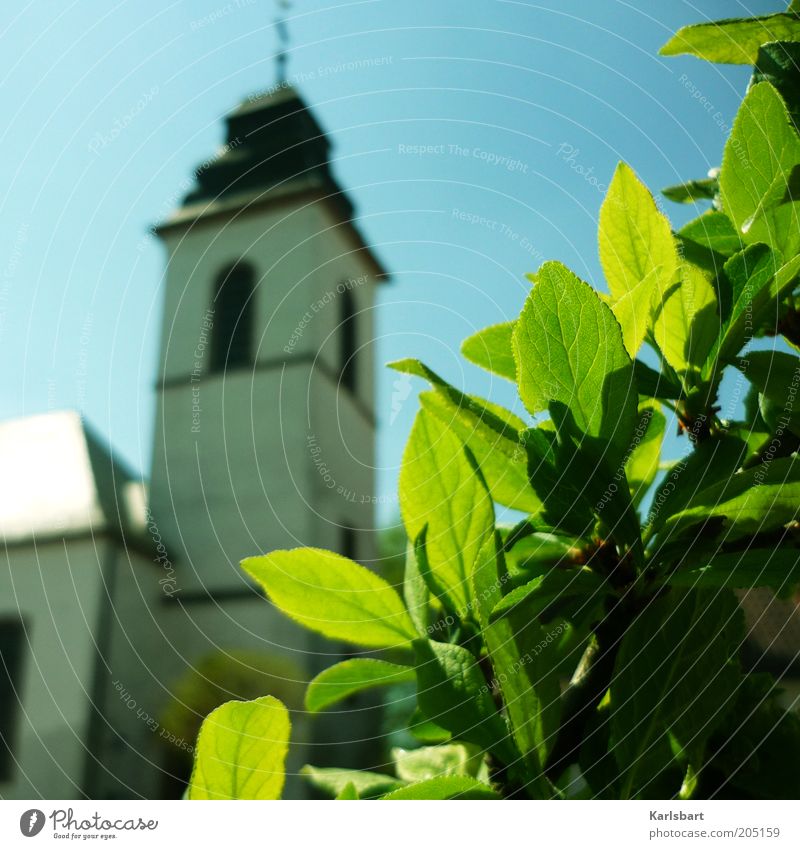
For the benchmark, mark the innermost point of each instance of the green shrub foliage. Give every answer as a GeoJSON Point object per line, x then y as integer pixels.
{"type": "Point", "coordinates": [593, 650]}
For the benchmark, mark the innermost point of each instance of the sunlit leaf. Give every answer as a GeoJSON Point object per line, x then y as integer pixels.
{"type": "Point", "coordinates": [733, 40]}
{"type": "Point", "coordinates": [692, 191]}
{"type": "Point", "coordinates": [440, 488]}
{"type": "Point", "coordinates": [432, 761]}
{"type": "Point", "coordinates": [334, 781]}
{"type": "Point", "coordinates": [490, 432]}
{"type": "Point", "coordinates": [777, 377]}
{"type": "Point", "coordinates": [686, 322]}
{"type": "Point", "coordinates": [241, 751]}
{"type": "Point", "coordinates": [637, 252]}
{"type": "Point", "coordinates": [333, 596]}
{"type": "Point", "coordinates": [753, 501]}
{"type": "Point", "coordinates": [569, 349]}
{"type": "Point", "coordinates": [521, 660]}
{"type": "Point", "coordinates": [777, 568]}
{"type": "Point", "coordinates": [446, 787]}
{"type": "Point", "coordinates": [761, 153]}
{"type": "Point", "coordinates": [352, 676]}
{"type": "Point", "coordinates": [492, 349]}
{"type": "Point", "coordinates": [453, 692]}
{"type": "Point", "coordinates": [641, 467]}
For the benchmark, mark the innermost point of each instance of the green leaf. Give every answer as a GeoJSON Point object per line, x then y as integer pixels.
{"type": "Point", "coordinates": [443, 602]}
{"type": "Point", "coordinates": [762, 151]}
{"type": "Point", "coordinates": [753, 501]}
{"type": "Point", "coordinates": [733, 41]}
{"type": "Point", "coordinates": [637, 253]}
{"type": "Point", "coordinates": [777, 377]}
{"type": "Point", "coordinates": [349, 792]}
{"type": "Point", "coordinates": [333, 596]}
{"type": "Point", "coordinates": [505, 473]}
{"type": "Point", "coordinates": [453, 692]}
{"type": "Point", "coordinates": [432, 761]}
{"type": "Point", "coordinates": [714, 231]}
{"type": "Point", "coordinates": [653, 384]}
{"type": "Point", "coordinates": [523, 667]}
{"type": "Point", "coordinates": [559, 488]}
{"type": "Point", "coordinates": [596, 758]}
{"type": "Point", "coordinates": [425, 730]}
{"type": "Point", "coordinates": [604, 490]}
{"type": "Point", "coordinates": [416, 594]}
{"type": "Point", "coordinates": [781, 284]}
{"type": "Point", "coordinates": [783, 190]}
{"type": "Point", "coordinates": [534, 538]}
{"type": "Point", "coordinates": [708, 463]}
{"type": "Point", "coordinates": [352, 676]}
{"type": "Point", "coordinates": [776, 568]}
{"type": "Point", "coordinates": [492, 349]}
{"type": "Point", "coordinates": [490, 432]}
{"type": "Point", "coordinates": [440, 488]}
{"type": "Point", "coordinates": [366, 784]}
{"type": "Point", "coordinates": [241, 751]}
{"type": "Point", "coordinates": [692, 191]}
{"type": "Point", "coordinates": [672, 678]}
{"type": "Point", "coordinates": [750, 276]}
{"type": "Point", "coordinates": [778, 63]}
{"type": "Point", "coordinates": [755, 751]}
{"type": "Point", "coordinates": [569, 349]}
{"type": "Point", "coordinates": [642, 466]}
{"type": "Point", "coordinates": [446, 787]}
{"type": "Point", "coordinates": [686, 322]}
{"type": "Point", "coordinates": [548, 595]}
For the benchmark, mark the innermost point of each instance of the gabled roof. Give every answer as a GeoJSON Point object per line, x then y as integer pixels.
{"type": "Point", "coordinates": [60, 480]}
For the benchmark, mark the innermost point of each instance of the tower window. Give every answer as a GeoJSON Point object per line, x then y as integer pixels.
{"type": "Point", "coordinates": [11, 643]}
{"type": "Point", "coordinates": [232, 340]}
{"type": "Point", "coordinates": [348, 340]}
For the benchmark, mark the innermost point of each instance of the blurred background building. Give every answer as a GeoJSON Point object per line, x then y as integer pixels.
{"type": "Point", "coordinates": [264, 439]}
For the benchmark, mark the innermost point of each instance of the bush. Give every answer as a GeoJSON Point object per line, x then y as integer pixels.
{"type": "Point", "coordinates": [619, 581]}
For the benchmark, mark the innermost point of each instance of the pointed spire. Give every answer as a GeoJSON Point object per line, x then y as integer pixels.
{"type": "Point", "coordinates": [283, 40]}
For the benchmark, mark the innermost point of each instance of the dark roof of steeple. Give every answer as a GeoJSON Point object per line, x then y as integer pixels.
{"type": "Point", "coordinates": [271, 139]}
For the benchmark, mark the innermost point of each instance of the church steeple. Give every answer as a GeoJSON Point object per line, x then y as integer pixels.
{"type": "Point", "coordinates": [264, 432]}
{"type": "Point", "coordinates": [266, 367]}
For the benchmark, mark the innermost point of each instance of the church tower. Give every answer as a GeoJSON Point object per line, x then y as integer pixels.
{"type": "Point", "coordinates": [264, 429]}
{"type": "Point", "coordinates": [264, 432]}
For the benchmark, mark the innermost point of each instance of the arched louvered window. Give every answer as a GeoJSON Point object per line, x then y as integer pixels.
{"type": "Point", "coordinates": [232, 340]}
{"type": "Point", "coordinates": [348, 340]}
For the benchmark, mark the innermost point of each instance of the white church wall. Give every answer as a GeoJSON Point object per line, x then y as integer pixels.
{"type": "Point", "coordinates": [57, 588]}
{"type": "Point", "coordinates": [233, 487]}
{"type": "Point", "coordinates": [131, 679]}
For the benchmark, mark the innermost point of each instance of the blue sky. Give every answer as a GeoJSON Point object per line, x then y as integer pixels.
{"type": "Point", "coordinates": [527, 106]}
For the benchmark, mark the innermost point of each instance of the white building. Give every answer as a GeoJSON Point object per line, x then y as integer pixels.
{"type": "Point", "coordinates": [263, 439]}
